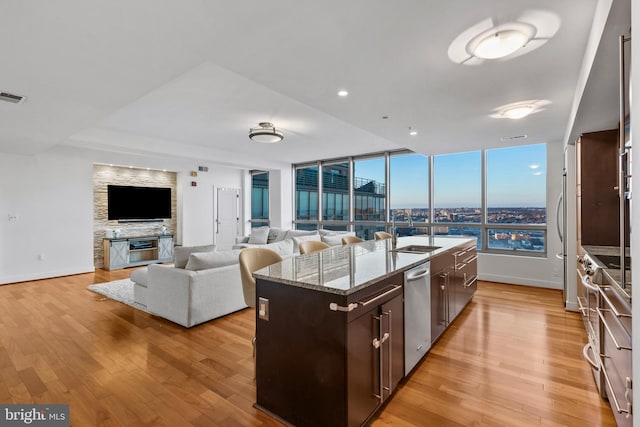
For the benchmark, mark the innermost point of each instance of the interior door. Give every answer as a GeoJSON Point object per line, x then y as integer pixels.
{"type": "Point", "coordinates": [227, 221]}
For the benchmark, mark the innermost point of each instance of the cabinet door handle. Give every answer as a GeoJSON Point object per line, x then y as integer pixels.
{"type": "Point", "coordinates": [335, 307]}
{"type": "Point", "coordinates": [470, 282]}
{"type": "Point", "coordinates": [585, 354]}
{"type": "Point", "coordinates": [390, 359]}
{"type": "Point", "coordinates": [608, 329]}
{"type": "Point", "coordinates": [612, 395]}
{"type": "Point", "coordinates": [374, 299]}
{"type": "Point", "coordinates": [610, 304]}
{"type": "Point", "coordinates": [379, 396]}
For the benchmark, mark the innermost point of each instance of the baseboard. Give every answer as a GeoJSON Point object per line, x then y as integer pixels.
{"type": "Point", "coordinates": [571, 306]}
{"type": "Point", "coordinates": [5, 280]}
{"type": "Point", "coordinates": [513, 280]}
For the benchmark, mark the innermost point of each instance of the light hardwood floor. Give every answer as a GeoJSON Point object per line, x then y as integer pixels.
{"type": "Point", "coordinates": [512, 358]}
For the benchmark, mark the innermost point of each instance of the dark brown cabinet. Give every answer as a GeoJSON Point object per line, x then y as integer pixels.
{"type": "Point", "coordinates": [375, 358]}
{"type": "Point", "coordinates": [453, 284]}
{"type": "Point", "coordinates": [329, 359]}
{"type": "Point", "coordinates": [597, 188]}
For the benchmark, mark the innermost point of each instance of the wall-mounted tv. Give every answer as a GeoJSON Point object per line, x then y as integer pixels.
{"type": "Point", "coordinates": [129, 203]}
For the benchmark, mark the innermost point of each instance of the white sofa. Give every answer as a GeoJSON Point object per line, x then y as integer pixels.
{"type": "Point", "coordinates": [261, 236]}
{"type": "Point", "coordinates": [206, 286]}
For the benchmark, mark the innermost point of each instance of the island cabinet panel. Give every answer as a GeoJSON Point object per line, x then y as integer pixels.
{"type": "Point", "coordinates": [453, 284]}
{"type": "Point", "coordinates": [318, 366]}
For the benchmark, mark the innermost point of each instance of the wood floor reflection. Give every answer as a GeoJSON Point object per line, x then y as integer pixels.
{"type": "Point", "coordinates": [512, 358]}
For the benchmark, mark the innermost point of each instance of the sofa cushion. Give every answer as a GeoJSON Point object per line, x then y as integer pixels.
{"type": "Point", "coordinates": [298, 240]}
{"type": "Point", "coordinates": [259, 235]}
{"type": "Point", "coordinates": [206, 260]}
{"type": "Point", "coordinates": [298, 233]}
{"type": "Point", "coordinates": [140, 276]}
{"type": "Point", "coordinates": [182, 253]}
{"type": "Point", "coordinates": [283, 248]}
{"type": "Point", "coordinates": [335, 239]}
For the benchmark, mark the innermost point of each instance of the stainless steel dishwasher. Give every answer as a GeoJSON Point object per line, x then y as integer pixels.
{"type": "Point", "coordinates": [417, 314]}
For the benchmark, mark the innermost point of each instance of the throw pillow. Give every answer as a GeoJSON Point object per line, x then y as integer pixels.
{"type": "Point", "coordinates": [182, 253]}
{"type": "Point", "coordinates": [298, 240]}
{"type": "Point", "coordinates": [206, 260]}
{"type": "Point", "coordinates": [259, 235]}
{"type": "Point", "coordinates": [336, 238]}
{"type": "Point", "coordinates": [283, 248]}
{"type": "Point", "coordinates": [277, 235]}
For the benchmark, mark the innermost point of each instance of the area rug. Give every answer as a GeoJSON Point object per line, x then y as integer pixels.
{"type": "Point", "coordinates": [119, 290]}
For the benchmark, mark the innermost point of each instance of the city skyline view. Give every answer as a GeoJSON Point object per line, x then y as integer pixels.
{"type": "Point", "coordinates": [514, 194]}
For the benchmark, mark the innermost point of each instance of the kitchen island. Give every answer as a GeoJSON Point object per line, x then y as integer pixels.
{"type": "Point", "coordinates": [330, 326]}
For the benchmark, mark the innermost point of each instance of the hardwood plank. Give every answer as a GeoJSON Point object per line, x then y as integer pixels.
{"type": "Point", "coordinates": [513, 357]}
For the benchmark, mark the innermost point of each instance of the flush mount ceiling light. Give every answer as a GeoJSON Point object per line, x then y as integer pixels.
{"type": "Point", "coordinates": [491, 39]}
{"type": "Point", "coordinates": [266, 133]}
{"type": "Point", "coordinates": [342, 93]}
{"type": "Point", "coordinates": [501, 41]}
{"type": "Point", "coordinates": [519, 110]}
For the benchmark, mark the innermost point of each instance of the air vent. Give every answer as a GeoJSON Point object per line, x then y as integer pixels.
{"type": "Point", "coordinates": [512, 138]}
{"type": "Point", "coordinates": [10, 97]}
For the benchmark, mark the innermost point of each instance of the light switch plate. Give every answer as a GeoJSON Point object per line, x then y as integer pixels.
{"type": "Point", "coordinates": [263, 308]}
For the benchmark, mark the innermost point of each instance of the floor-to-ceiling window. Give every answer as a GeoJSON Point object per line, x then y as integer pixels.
{"type": "Point", "coordinates": [259, 198]}
{"type": "Point", "coordinates": [497, 196]}
{"type": "Point", "coordinates": [516, 198]}
{"type": "Point", "coordinates": [335, 192]}
{"type": "Point", "coordinates": [306, 197]}
{"type": "Point", "coordinates": [369, 194]}
{"type": "Point", "coordinates": [409, 192]}
{"type": "Point", "coordinates": [457, 195]}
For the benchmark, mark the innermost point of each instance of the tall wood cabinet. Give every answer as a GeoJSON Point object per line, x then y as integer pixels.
{"type": "Point", "coordinates": [597, 188]}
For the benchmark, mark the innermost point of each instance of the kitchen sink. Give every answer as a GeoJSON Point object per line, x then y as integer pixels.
{"type": "Point", "coordinates": [416, 249]}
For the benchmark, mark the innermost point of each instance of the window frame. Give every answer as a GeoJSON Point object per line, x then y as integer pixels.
{"type": "Point", "coordinates": [260, 222]}
{"type": "Point", "coordinates": [387, 221]}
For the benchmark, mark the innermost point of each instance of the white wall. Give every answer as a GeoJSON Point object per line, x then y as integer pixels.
{"type": "Point", "coordinates": [534, 271]}
{"type": "Point", "coordinates": [52, 197]}
{"type": "Point", "coordinates": [198, 207]}
{"type": "Point", "coordinates": [51, 194]}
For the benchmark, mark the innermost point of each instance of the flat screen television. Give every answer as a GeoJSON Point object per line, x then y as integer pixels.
{"type": "Point", "coordinates": [138, 203]}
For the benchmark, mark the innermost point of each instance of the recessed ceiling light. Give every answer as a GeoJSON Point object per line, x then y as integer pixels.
{"type": "Point", "coordinates": [412, 132]}
{"type": "Point", "coordinates": [385, 117]}
{"type": "Point", "coordinates": [343, 93]}
{"type": "Point", "coordinates": [534, 166]}
{"type": "Point", "coordinates": [517, 112]}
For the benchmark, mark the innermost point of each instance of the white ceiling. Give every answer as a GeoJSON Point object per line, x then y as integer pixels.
{"type": "Point", "coordinates": [190, 78]}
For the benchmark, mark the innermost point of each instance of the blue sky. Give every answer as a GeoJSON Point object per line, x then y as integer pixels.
{"type": "Point", "coordinates": [516, 177]}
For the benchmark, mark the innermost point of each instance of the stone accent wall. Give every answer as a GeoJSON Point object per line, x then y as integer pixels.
{"type": "Point", "coordinates": [105, 175]}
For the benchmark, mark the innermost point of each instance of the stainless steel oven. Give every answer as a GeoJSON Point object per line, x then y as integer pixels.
{"type": "Point", "coordinates": [589, 275]}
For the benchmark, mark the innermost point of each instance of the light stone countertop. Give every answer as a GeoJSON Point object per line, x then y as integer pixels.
{"type": "Point", "coordinates": [344, 270]}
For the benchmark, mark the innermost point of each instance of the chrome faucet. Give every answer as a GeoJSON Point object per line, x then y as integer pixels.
{"type": "Point", "coordinates": [405, 212]}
